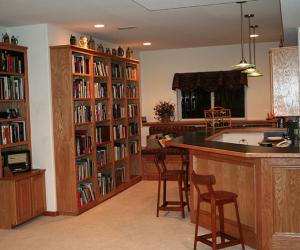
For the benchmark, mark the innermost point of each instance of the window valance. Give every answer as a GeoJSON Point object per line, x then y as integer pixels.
{"type": "Point", "coordinates": [209, 81]}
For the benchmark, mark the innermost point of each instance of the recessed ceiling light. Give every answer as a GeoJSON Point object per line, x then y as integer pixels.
{"type": "Point", "coordinates": [146, 43]}
{"type": "Point", "coordinates": [254, 35]}
{"type": "Point", "coordinates": [99, 25]}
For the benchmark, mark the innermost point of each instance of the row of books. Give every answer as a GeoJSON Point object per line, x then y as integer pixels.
{"type": "Point", "coordinates": [116, 70]}
{"type": "Point", "coordinates": [133, 128]}
{"type": "Point", "coordinates": [100, 69]}
{"type": "Point", "coordinates": [131, 72]}
{"type": "Point", "coordinates": [80, 64]}
{"type": "Point", "coordinates": [133, 147]}
{"type": "Point", "coordinates": [118, 90]}
{"type": "Point", "coordinates": [83, 142]}
{"type": "Point", "coordinates": [11, 63]}
{"type": "Point", "coordinates": [120, 174]}
{"type": "Point", "coordinates": [100, 90]}
{"type": "Point", "coordinates": [105, 182]}
{"type": "Point", "coordinates": [12, 132]}
{"type": "Point", "coordinates": [100, 112]}
{"type": "Point", "coordinates": [132, 110]}
{"type": "Point", "coordinates": [102, 156]}
{"type": "Point", "coordinates": [11, 88]}
{"type": "Point", "coordinates": [86, 192]}
{"type": "Point", "coordinates": [118, 111]}
{"type": "Point", "coordinates": [81, 88]}
{"type": "Point", "coordinates": [82, 114]}
{"type": "Point", "coordinates": [119, 131]}
{"type": "Point", "coordinates": [131, 91]}
{"type": "Point", "coordinates": [120, 151]}
{"type": "Point", "coordinates": [102, 134]}
{"type": "Point", "coordinates": [85, 168]}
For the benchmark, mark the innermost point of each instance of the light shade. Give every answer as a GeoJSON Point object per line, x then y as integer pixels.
{"type": "Point", "coordinates": [255, 74]}
{"type": "Point", "coordinates": [243, 64]}
{"type": "Point", "coordinates": [249, 70]}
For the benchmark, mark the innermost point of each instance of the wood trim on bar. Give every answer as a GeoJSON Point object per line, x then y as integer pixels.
{"type": "Point", "coordinates": [202, 122]}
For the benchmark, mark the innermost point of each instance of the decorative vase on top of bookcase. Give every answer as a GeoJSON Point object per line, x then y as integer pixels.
{"type": "Point", "coordinates": [91, 124]}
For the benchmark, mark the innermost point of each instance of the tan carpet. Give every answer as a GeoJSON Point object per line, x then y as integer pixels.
{"type": "Point", "coordinates": [126, 222]}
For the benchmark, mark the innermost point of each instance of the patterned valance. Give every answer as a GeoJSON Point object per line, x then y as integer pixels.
{"type": "Point", "coordinates": [209, 81]}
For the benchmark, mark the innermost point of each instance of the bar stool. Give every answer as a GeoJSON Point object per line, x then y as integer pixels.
{"type": "Point", "coordinates": [216, 199]}
{"type": "Point", "coordinates": [170, 175]}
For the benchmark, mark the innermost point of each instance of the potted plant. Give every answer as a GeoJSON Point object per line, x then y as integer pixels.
{"type": "Point", "coordinates": [164, 111]}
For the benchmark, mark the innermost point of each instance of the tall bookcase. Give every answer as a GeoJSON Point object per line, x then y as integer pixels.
{"type": "Point", "coordinates": [96, 122]}
{"type": "Point", "coordinates": [22, 195]}
{"type": "Point", "coordinates": [14, 99]}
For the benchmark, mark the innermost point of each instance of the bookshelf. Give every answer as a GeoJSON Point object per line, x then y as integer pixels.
{"type": "Point", "coordinates": [96, 122]}
{"type": "Point", "coordinates": [14, 101]}
{"type": "Point", "coordinates": [22, 195]}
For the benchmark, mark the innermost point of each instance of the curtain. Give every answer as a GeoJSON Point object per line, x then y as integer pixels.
{"type": "Point", "coordinates": [209, 81]}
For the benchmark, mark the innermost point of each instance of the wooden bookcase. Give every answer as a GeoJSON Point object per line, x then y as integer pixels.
{"type": "Point", "coordinates": [96, 122]}
{"type": "Point", "coordinates": [22, 195]}
{"type": "Point", "coordinates": [14, 99]}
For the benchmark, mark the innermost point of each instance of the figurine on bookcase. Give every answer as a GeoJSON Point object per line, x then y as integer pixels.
{"type": "Point", "coordinates": [5, 38]}
{"type": "Point", "coordinates": [129, 53]}
{"type": "Point", "coordinates": [72, 40]}
{"type": "Point", "coordinates": [100, 48]}
{"type": "Point", "coordinates": [83, 42]}
{"type": "Point", "coordinates": [91, 44]}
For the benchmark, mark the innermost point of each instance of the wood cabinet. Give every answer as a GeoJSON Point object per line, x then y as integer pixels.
{"type": "Point", "coordinates": [96, 122]}
{"type": "Point", "coordinates": [285, 83]}
{"type": "Point", "coordinates": [22, 197]}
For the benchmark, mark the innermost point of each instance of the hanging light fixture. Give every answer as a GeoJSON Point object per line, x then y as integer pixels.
{"type": "Point", "coordinates": [256, 73]}
{"type": "Point", "coordinates": [243, 63]}
{"type": "Point", "coordinates": [251, 69]}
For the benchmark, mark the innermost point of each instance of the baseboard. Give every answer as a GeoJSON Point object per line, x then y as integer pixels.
{"type": "Point", "coordinates": [51, 213]}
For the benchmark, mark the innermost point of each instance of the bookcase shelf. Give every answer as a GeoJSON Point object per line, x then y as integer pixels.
{"type": "Point", "coordinates": [97, 94]}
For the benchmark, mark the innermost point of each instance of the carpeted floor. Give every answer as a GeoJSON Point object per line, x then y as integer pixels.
{"type": "Point", "coordinates": [125, 222]}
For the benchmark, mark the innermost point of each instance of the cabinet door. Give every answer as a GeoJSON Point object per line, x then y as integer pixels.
{"type": "Point", "coordinates": [38, 194]}
{"type": "Point", "coordinates": [285, 81]}
{"type": "Point", "coordinates": [23, 200]}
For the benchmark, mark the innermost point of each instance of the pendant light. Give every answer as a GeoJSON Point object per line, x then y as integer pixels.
{"type": "Point", "coordinates": [252, 68]}
{"type": "Point", "coordinates": [243, 63]}
{"type": "Point", "coordinates": [256, 73]}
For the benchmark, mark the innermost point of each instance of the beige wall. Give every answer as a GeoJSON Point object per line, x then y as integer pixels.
{"type": "Point", "coordinates": [158, 68]}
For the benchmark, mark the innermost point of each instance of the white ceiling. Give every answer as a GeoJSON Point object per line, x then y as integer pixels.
{"type": "Point", "coordinates": [165, 23]}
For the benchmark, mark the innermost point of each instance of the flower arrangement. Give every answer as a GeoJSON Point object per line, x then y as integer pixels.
{"type": "Point", "coordinates": [164, 111]}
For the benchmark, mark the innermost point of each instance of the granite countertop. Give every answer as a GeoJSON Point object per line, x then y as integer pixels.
{"type": "Point", "coordinates": [198, 141]}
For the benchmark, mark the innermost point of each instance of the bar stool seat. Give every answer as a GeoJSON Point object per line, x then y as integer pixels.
{"type": "Point", "coordinates": [216, 199]}
{"type": "Point", "coordinates": [165, 175]}
{"type": "Point", "coordinates": [220, 196]}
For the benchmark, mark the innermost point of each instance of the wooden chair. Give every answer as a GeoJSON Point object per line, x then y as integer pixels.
{"type": "Point", "coordinates": [216, 199]}
{"type": "Point", "coordinates": [165, 175]}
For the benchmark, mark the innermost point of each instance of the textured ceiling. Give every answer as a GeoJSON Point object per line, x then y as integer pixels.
{"type": "Point", "coordinates": [171, 28]}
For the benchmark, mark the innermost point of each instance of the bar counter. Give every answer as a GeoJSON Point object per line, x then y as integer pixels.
{"type": "Point", "coordinates": [266, 179]}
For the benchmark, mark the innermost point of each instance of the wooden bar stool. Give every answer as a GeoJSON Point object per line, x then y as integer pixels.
{"type": "Point", "coordinates": [170, 175]}
{"type": "Point", "coordinates": [216, 199]}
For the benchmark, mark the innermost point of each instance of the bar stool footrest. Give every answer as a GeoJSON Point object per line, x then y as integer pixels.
{"type": "Point", "coordinates": [232, 241]}
{"type": "Point", "coordinates": [167, 203]}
